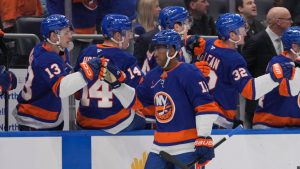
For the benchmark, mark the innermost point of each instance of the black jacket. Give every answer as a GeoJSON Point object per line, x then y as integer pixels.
{"type": "Point", "coordinates": [204, 26]}
{"type": "Point", "coordinates": [142, 45]}
{"type": "Point", "coordinates": [258, 51]}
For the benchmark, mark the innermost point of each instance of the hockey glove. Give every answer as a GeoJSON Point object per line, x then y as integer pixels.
{"type": "Point", "coordinates": [114, 76]}
{"type": "Point", "coordinates": [203, 67]}
{"type": "Point", "coordinates": [278, 71]}
{"type": "Point", "coordinates": [204, 149]}
{"type": "Point", "coordinates": [8, 80]}
{"type": "Point", "coordinates": [195, 45]}
{"type": "Point", "coordinates": [93, 69]}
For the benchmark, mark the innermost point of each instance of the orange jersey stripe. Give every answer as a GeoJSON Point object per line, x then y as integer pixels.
{"type": "Point", "coordinates": [283, 88]}
{"type": "Point", "coordinates": [230, 114]}
{"type": "Point", "coordinates": [275, 120]}
{"type": "Point", "coordinates": [100, 123]}
{"type": "Point", "coordinates": [219, 44]}
{"type": "Point", "coordinates": [56, 85]}
{"type": "Point", "coordinates": [248, 91]}
{"type": "Point", "coordinates": [174, 137]}
{"type": "Point", "coordinates": [209, 107]}
{"type": "Point", "coordinates": [140, 109]}
{"type": "Point", "coordinates": [37, 112]}
{"type": "Point", "coordinates": [148, 111]}
{"type": "Point", "coordinates": [101, 46]}
{"type": "Point", "coordinates": [47, 47]}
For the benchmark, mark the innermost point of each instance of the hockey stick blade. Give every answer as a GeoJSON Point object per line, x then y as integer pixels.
{"type": "Point", "coordinates": [170, 158]}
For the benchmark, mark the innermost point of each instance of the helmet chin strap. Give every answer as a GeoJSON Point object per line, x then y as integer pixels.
{"type": "Point", "coordinates": [169, 58]}
{"type": "Point", "coordinates": [235, 42]}
{"type": "Point", "coordinates": [57, 43]}
{"type": "Point", "coordinates": [118, 42]}
{"type": "Point", "coordinates": [160, 28]}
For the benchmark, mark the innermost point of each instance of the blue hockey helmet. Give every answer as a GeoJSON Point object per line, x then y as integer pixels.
{"type": "Point", "coordinates": [171, 15]}
{"type": "Point", "coordinates": [54, 23]}
{"type": "Point", "coordinates": [227, 23]}
{"type": "Point", "coordinates": [113, 23]}
{"type": "Point", "coordinates": [167, 37]}
{"type": "Point", "coordinates": [291, 36]}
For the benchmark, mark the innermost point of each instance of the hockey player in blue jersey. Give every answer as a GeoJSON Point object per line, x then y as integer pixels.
{"type": "Point", "coordinates": [281, 107]}
{"type": "Point", "coordinates": [39, 103]}
{"type": "Point", "coordinates": [102, 106]}
{"type": "Point", "coordinates": [178, 19]}
{"type": "Point", "coordinates": [178, 95]}
{"type": "Point", "coordinates": [8, 80]}
{"type": "Point", "coordinates": [229, 75]}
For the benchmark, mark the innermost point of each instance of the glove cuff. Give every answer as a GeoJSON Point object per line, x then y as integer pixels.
{"type": "Point", "coordinates": [277, 71]}
{"type": "Point", "coordinates": [204, 141]}
{"type": "Point", "coordinates": [87, 71]}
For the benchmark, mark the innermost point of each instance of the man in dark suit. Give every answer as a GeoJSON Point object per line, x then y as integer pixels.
{"type": "Point", "coordinates": [247, 8]}
{"type": "Point", "coordinates": [260, 48]}
{"type": "Point", "coordinates": [203, 24]}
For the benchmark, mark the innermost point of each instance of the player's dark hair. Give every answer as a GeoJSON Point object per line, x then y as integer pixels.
{"type": "Point", "coordinates": [238, 3]}
{"type": "Point", "coordinates": [187, 3]}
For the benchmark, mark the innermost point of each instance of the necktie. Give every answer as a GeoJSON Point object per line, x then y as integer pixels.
{"type": "Point", "coordinates": [278, 46]}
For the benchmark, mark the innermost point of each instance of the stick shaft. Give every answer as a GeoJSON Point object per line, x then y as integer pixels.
{"type": "Point", "coordinates": [168, 157]}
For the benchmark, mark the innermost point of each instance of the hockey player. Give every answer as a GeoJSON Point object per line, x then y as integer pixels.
{"type": "Point", "coordinates": [8, 80]}
{"type": "Point", "coordinates": [281, 107]}
{"type": "Point", "coordinates": [229, 75]}
{"type": "Point", "coordinates": [39, 103]}
{"type": "Point", "coordinates": [178, 94]}
{"type": "Point", "coordinates": [176, 18]}
{"type": "Point", "coordinates": [101, 105]}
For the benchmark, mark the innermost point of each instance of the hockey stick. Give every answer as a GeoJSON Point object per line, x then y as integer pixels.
{"type": "Point", "coordinates": [168, 157]}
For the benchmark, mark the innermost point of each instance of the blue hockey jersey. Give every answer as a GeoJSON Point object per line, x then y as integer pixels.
{"type": "Point", "coordinates": [178, 96]}
{"type": "Point", "coordinates": [228, 77]}
{"type": "Point", "coordinates": [99, 108]}
{"type": "Point", "coordinates": [278, 108]}
{"type": "Point", "coordinates": [38, 103]}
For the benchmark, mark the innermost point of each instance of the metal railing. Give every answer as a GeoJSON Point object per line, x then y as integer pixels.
{"type": "Point", "coordinates": [22, 36]}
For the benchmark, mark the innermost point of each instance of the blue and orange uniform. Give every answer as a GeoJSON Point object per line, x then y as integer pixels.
{"type": "Point", "coordinates": [278, 109]}
{"type": "Point", "coordinates": [99, 108]}
{"type": "Point", "coordinates": [177, 97]}
{"type": "Point", "coordinates": [228, 78]}
{"type": "Point", "coordinates": [38, 103]}
{"type": "Point", "coordinates": [84, 18]}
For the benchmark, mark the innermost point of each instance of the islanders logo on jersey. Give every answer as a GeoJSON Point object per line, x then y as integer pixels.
{"type": "Point", "coordinates": [164, 107]}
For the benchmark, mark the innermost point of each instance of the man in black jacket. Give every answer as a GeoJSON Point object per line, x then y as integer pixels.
{"type": "Point", "coordinates": [203, 24]}
{"type": "Point", "coordinates": [247, 8]}
{"type": "Point", "coordinates": [260, 48]}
